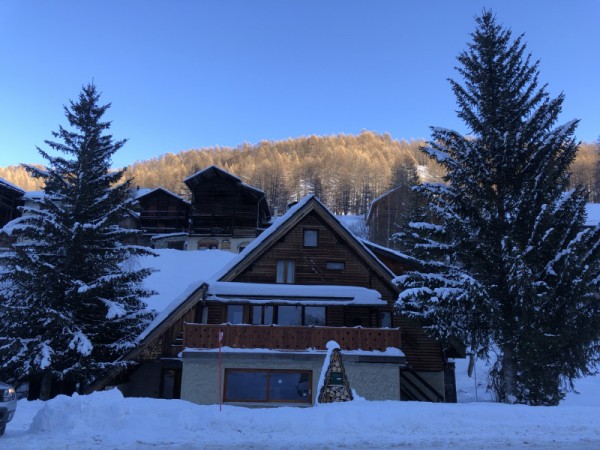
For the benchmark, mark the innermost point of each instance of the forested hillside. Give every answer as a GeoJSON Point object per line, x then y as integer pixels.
{"type": "Point", "coordinates": [346, 172]}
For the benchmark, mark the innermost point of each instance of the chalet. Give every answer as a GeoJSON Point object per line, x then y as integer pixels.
{"type": "Point", "coordinates": [11, 197]}
{"type": "Point", "coordinates": [385, 216]}
{"type": "Point", "coordinates": [303, 282]}
{"type": "Point", "coordinates": [163, 217]}
{"type": "Point", "coordinates": [225, 212]}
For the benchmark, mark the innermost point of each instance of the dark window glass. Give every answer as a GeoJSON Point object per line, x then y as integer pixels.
{"type": "Point", "coordinates": [385, 319]}
{"type": "Point", "coordinates": [262, 315]}
{"type": "Point", "coordinates": [235, 313]}
{"type": "Point", "coordinates": [289, 315]}
{"type": "Point", "coordinates": [245, 386]}
{"type": "Point", "coordinates": [311, 238]}
{"type": "Point", "coordinates": [314, 315]}
{"type": "Point", "coordinates": [268, 385]}
{"type": "Point", "coordinates": [257, 315]}
{"type": "Point", "coordinates": [288, 386]}
{"type": "Point", "coordinates": [268, 318]}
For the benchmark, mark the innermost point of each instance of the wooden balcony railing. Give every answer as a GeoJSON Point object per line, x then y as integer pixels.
{"type": "Point", "coordinates": [289, 338]}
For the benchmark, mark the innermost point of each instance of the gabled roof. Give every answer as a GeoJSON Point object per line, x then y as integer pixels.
{"type": "Point", "coordinates": [144, 192]}
{"type": "Point", "coordinates": [210, 172]}
{"type": "Point", "coordinates": [214, 171]}
{"type": "Point", "coordinates": [379, 199]}
{"type": "Point", "coordinates": [284, 224]}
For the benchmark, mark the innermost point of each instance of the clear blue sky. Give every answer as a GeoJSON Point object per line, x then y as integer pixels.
{"type": "Point", "coordinates": [190, 74]}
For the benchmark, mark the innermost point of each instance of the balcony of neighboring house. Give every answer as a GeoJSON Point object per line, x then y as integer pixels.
{"type": "Point", "coordinates": [163, 222]}
{"type": "Point", "coordinates": [276, 337]}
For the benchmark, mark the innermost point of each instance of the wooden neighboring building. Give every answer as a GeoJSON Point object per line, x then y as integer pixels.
{"type": "Point", "coordinates": [303, 282]}
{"type": "Point", "coordinates": [11, 197]}
{"type": "Point", "coordinates": [225, 212]}
{"type": "Point", "coordinates": [386, 215]}
{"type": "Point", "coordinates": [164, 217]}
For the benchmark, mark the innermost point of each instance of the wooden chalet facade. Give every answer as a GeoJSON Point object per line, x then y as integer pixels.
{"type": "Point", "coordinates": [163, 215]}
{"type": "Point", "coordinates": [225, 212]}
{"type": "Point", "coordinates": [305, 281]}
{"type": "Point", "coordinates": [11, 197]}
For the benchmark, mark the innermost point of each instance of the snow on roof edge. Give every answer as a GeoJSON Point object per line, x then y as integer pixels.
{"type": "Point", "coordinates": [170, 309]}
{"type": "Point", "coordinates": [389, 351]}
{"type": "Point", "coordinates": [211, 167]}
{"type": "Point", "coordinates": [12, 186]}
{"type": "Point", "coordinates": [149, 191]}
{"type": "Point", "coordinates": [293, 293]}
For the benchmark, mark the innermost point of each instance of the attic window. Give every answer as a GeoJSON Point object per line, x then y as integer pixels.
{"type": "Point", "coordinates": [311, 238]}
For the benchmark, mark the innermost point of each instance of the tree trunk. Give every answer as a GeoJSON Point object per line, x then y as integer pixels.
{"type": "Point", "coordinates": [508, 375]}
{"type": "Point", "coordinates": [46, 386]}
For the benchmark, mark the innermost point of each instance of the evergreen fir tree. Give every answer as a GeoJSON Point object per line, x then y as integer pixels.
{"type": "Point", "coordinates": [509, 267]}
{"type": "Point", "coordinates": [72, 300]}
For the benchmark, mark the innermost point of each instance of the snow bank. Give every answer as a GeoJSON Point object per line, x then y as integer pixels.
{"type": "Point", "coordinates": [107, 420]}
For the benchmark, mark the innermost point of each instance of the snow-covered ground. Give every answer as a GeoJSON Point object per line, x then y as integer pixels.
{"type": "Point", "coordinates": [106, 420]}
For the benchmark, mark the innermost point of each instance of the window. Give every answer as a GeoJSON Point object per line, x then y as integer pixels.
{"type": "Point", "coordinates": [289, 315]}
{"type": "Point", "coordinates": [176, 245]}
{"type": "Point", "coordinates": [170, 383]}
{"type": "Point", "coordinates": [270, 385]}
{"type": "Point", "coordinates": [385, 319]}
{"type": "Point", "coordinates": [335, 265]}
{"type": "Point", "coordinates": [235, 313]}
{"type": "Point", "coordinates": [286, 271]}
{"type": "Point", "coordinates": [314, 315]}
{"type": "Point", "coordinates": [208, 244]}
{"type": "Point", "coordinates": [311, 238]}
{"type": "Point", "coordinates": [262, 315]}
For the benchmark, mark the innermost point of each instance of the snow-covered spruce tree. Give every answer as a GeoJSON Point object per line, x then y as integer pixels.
{"type": "Point", "coordinates": [71, 300]}
{"type": "Point", "coordinates": [508, 267]}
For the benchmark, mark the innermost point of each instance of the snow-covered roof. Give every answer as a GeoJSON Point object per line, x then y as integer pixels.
{"type": "Point", "coordinates": [142, 192]}
{"type": "Point", "coordinates": [177, 275]}
{"type": "Point", "coordinates": [389, 351]}
{"type": "Point", "coordinates": [260, 293]}
{"type": "Point", "coordinates": [218, 169]}
{"type": "Point", "coordinates": [158, 237]}
{"type": "Point", "coordinates": [170, 308]}
{"type": "Point", "coordinates": [390, 251]}
{"type": "Point", "coordinates": [212, 167]}
{"type": "Point", "coordinates": [593, 214]}
{"type": "Point", "coordinates": [11, 186]}
{"type": "Point", "coordinates": [351, 220]}
{"type": "Point", "coordinates": [35, 196]}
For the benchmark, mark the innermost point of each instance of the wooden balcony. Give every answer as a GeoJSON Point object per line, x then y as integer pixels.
{"type": "Point", "coordinates": [289, 338]}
